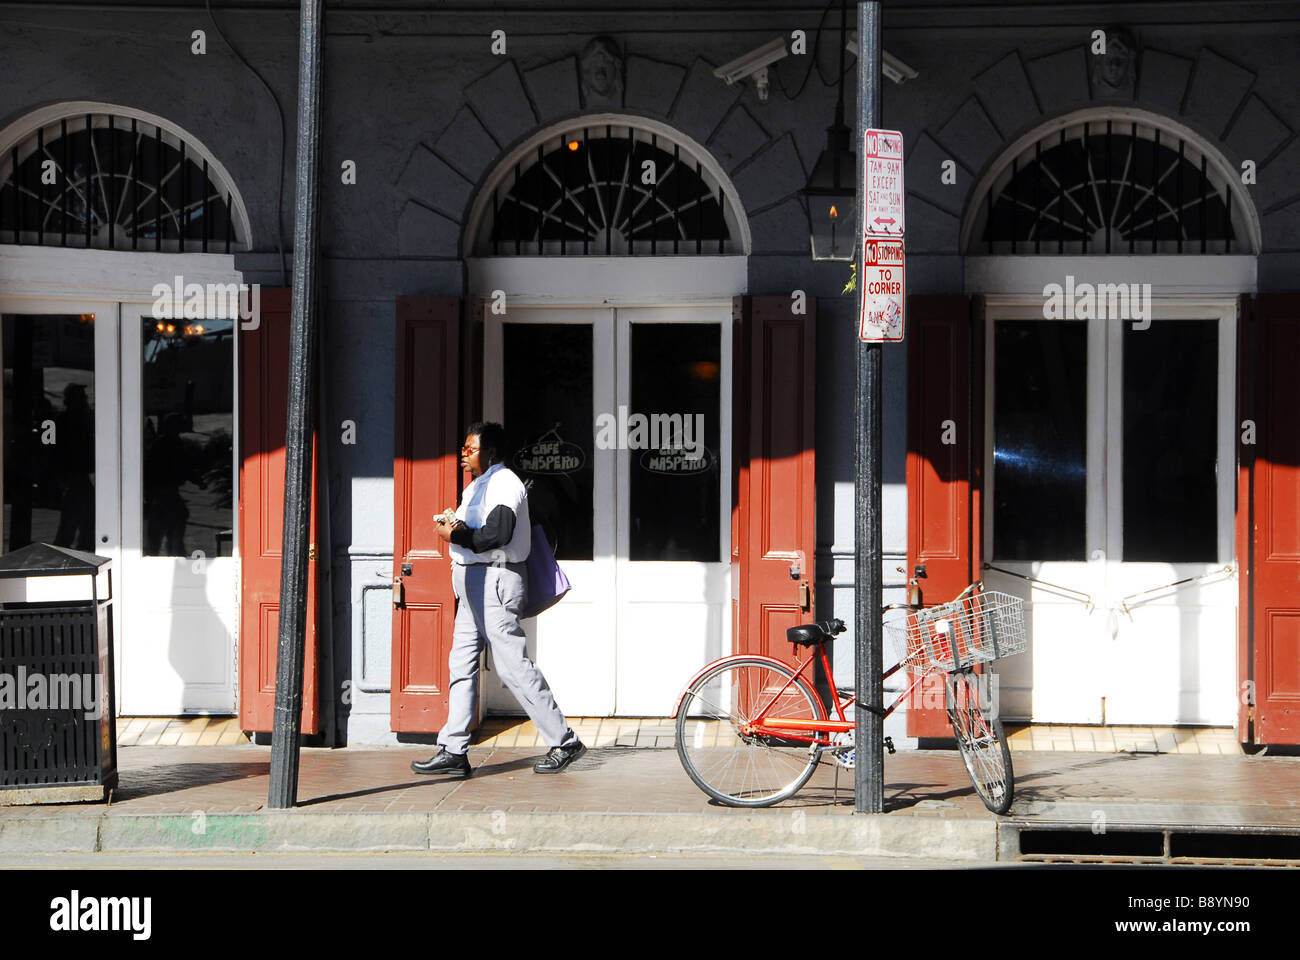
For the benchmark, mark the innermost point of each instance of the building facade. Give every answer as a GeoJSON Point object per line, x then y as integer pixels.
{"type": "Point", "coordinates": [566, 221]}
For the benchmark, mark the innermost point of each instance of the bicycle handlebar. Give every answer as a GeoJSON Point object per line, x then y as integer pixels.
{"type": "Point", "coordinates": [898, 606]}
{"type": "Point", "coordinates": [835, 627]}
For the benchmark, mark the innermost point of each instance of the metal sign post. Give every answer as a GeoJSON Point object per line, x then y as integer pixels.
{"type": "Point", "coordinates": [868, 772]}
{"type": "Point", "coordinates": [287, 723]}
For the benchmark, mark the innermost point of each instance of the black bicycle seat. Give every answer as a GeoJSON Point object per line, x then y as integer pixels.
{"type": "Point", "coordinates": [806, 634]}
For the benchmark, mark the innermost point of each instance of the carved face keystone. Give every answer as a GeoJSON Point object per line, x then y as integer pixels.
{"type": "Point", "coordinates": [602, 70]}
{"type": "Point", "coordinates": [1112, 72]}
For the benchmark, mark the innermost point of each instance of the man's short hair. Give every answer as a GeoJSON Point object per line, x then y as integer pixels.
{"type": "Point", "coordinates": [491, 436]}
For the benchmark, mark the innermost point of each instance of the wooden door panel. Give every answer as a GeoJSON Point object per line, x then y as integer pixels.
{"type": "Point", "coordinates": [425, 482]}
{"type": "Point", "coordinates": [264, 393]}
{"type": "Point", "coordinates": [942, 478]}
{"type": "Point", "coordinates": [775, 473]}
{"type": "Point", "coordinates": [1276, 544]}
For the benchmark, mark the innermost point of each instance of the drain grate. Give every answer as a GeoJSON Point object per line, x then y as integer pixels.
{"type": "Point", "coordinates": [1235, 846]}
{"type": "Point", "coordinates": [1171, 845]}
{"type": "Point", "coordinates": [1086, 843]}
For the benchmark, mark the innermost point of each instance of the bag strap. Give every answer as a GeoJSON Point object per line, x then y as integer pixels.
{"type": "Point", "coordinates": [528, 487]}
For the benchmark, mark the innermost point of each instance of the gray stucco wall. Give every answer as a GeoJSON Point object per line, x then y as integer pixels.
{"type": "Point", "coordinates": [424, 108]}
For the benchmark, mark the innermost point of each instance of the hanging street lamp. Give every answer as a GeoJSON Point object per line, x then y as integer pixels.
{"type": "Point", "coordinates": [832, 188]}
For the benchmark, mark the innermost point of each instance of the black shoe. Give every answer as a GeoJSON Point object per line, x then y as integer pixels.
{"type": "Point", "coordinates": [557, 758]}
{"type": "Point", "coordinates": [443, 762]}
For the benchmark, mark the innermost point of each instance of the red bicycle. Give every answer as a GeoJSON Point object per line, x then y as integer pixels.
{"type": "Point", "coordinates": [751, 729]}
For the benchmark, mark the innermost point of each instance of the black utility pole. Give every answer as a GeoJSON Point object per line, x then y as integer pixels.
{"type": "Point", "coordinates": [868, 772]}
{"type": "Point", "coordinates": [298, 437]}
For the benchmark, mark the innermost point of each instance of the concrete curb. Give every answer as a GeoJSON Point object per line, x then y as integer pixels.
{"type": "Point", "coordinates": [497, 831]}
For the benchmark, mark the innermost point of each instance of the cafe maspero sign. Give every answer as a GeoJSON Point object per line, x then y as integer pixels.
{"type": "Point", "coordinates": [550, 455]}
{"type": "Point", "coordinates": [674, 462]}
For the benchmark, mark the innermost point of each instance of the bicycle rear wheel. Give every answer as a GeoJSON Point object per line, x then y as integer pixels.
{"type": "Point", "coordinates": [982, 743]}
{"type": "Point", "coordinates": [738, 768]}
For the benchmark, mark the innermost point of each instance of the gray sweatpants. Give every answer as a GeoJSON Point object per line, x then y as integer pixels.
{"type": "Point", "coordinates": [490, 598]}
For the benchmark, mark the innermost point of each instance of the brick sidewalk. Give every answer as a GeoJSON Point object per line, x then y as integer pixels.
{"type": "Point", "coordinates": [658, 732]}
{"type": "Point", "coordinates": [181, 780]}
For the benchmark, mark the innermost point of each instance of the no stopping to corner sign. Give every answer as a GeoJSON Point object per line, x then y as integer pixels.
{"type": "Point", "coordinates": [882, 290]}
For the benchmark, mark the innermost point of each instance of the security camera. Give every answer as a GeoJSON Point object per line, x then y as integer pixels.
{"type": "Point", "coordinates": [755, 64]}
{"type": "Point", "coordinates": [890, 65]}
{"type": "Point", "coordinates": [895, 69]}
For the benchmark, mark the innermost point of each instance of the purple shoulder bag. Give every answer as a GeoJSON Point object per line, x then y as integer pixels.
{"type": "Point", "coordinates": [546, 581]}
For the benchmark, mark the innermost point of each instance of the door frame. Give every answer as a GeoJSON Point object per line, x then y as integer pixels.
{"type": "Point", "coordinates": [1103, 546]}
{"type": "Point", "coordinates": [611, 345]}
{"type": "Point", "coordinates": [558, 283]}
{"type": "Point", "coordinates": [36, 279]}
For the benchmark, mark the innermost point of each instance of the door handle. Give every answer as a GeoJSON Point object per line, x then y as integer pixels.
{"type": "Point", "coordinates": [804, 596]}
{"type": "Point", "coordinates": [399, 593]}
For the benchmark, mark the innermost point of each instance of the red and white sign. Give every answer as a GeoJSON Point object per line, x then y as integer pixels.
{"type": "Point", "coordinates": [882, 182]}
{"type": "Point", "coordinates": [883, 290]}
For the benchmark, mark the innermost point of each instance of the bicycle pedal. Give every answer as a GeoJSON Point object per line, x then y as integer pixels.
{"type": "Point", "coordinates": [889, 745]}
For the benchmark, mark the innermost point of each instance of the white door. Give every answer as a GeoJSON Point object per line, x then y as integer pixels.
{"type": "Point", "coordinates": [620, 417]}
{"type": "Point", "coordinates": [178, 574]}
{"type": "Point", "coordinates": [548, 372]}
{"type": "Point", "coordinates": [674, 497]}
{"type": "Point", "coordinates": [59, 433]}
{"type": "Point", "coordinates": [1109, 454]}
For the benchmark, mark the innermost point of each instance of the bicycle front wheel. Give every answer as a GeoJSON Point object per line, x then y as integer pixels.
{"type": "Point", "coordinates": [982, 743]}
{"type": "Point", "coordinates": [725, 758]}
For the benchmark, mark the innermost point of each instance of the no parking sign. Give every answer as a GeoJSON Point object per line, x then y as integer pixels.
{"type": "Point", "coordinates": [882, 290]}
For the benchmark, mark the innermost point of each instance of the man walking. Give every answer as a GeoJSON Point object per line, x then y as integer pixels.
{"type": "Point", "coordinates": [490, 539]}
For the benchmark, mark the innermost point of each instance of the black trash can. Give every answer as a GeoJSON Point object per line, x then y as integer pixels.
{"type": "Point", "coordinates": [58, 740]}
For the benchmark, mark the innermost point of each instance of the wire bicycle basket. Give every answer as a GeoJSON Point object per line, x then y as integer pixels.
{"type": "Point", "coordinates": [979, 628]}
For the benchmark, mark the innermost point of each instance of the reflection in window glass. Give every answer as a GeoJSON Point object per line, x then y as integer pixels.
{"type": "Point", "coordinates": [1170, 411]}
{"type": "Point", "coordinates": [188, 429]}
{"type": "Point", "coordinates": [548, 418]}
{"type": "Point", "coordinates": [1040, 440]}
{"type": "Point", "coordinates": [675, 483]}
{"type": "Point", "coordinates": [49, 430]}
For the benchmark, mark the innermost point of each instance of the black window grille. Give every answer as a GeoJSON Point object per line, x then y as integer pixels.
{"type": "Point", "coordinates": [110, 182]}
{"type": "Point", "coordinates": [607, 190]}
{"type": "Point", "coordinates": [1110, 187]}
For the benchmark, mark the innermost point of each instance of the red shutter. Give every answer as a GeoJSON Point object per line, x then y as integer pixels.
{"type": "Point", "coordinates": [263, 397]}
{"type": "Point", "coordinates": [943, 480]}
{"type": "Point", "coordinates": [1272, 604]}
{"type": "Point", "coordinates": [425, 466]}
{"type": "Point", "coordinates": [773, 517]}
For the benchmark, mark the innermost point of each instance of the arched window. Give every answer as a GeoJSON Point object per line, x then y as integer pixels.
{"type": "Point", "coordinates": [115, 180]}
{"type": "Point", "coordinates": [607, 186]}
{"type": "Point", "coordinates": [1111, 186]}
